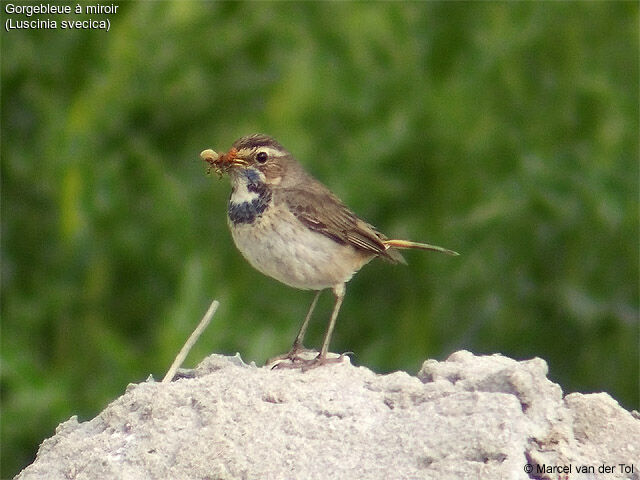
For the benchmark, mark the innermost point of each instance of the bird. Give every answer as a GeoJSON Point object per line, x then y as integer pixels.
{"type": "Point", "coordinates": [291, 227]}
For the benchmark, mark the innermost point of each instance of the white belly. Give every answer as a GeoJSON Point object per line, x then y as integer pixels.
{"type": "Point", "coordinates": [279, 246]}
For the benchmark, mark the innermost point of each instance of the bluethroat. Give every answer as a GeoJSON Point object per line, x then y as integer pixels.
{"type": "Point", "coordinates": [290, 227]}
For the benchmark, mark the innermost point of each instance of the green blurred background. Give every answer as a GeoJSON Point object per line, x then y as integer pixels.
{"type": "Point", "coordinates": [508, 132]}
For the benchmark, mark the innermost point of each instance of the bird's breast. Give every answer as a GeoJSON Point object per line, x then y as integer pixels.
{"type": "Point", "coordinates": [277, 244]}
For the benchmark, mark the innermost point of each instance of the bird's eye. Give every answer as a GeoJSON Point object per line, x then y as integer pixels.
{"type": "Point", "coordinates": [262, 157]}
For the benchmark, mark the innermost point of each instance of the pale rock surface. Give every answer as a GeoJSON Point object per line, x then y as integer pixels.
{"type": "Point", "coordinates": [469, 417]}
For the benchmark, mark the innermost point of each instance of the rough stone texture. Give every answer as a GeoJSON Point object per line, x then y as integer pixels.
{"type": "Point", "coordinates": [468, 417]}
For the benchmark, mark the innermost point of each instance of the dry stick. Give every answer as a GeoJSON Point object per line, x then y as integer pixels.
{"type": "Point", "coordinates": [191, 341]}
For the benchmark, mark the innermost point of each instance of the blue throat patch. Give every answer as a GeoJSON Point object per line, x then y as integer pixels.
{"type": "Point", "coordinates": [248, 212]}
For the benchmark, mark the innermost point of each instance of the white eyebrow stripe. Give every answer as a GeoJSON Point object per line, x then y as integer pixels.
{"type": "Point", "coordinates": [272, 152]}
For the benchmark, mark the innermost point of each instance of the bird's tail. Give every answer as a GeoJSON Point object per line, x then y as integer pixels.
{"type": "Point", "coordinates": [416, 245]}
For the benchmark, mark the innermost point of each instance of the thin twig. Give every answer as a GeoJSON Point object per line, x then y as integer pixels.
{"type": "Point", "coordinates": [191, 341]}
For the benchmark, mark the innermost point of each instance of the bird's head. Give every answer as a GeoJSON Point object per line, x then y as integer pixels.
{"type": "Point", "coordinates": [255, 158]}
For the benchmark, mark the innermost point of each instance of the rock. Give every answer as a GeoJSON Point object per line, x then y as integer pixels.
{"type": "Point", "coordinates": [468, 417]}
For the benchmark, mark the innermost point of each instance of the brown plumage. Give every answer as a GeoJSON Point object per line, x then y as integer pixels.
{"type": "Point", "coordinates": [291, 227]}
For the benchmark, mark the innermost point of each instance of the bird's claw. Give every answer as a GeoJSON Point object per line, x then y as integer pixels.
{"type": "Point", "coordinates": [305, 364]}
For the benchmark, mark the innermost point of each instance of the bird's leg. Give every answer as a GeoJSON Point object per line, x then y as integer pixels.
{"type": "Point", "coordinates": [338, 292]}
{"type": "Point", "coordinates": [297, 343]}
{"type": "Point", "coordinates": [297, 348]}
{"type": "Point", "coordinates": [322, 359]}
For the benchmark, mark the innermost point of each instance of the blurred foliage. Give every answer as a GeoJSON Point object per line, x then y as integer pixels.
{"type": "Point", "coordinates": [508, 132]}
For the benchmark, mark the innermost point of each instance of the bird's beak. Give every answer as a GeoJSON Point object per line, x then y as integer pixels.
{"type": "Point", "coordinates": [222, 163]}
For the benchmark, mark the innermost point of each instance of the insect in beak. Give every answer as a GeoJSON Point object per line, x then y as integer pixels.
{"type": "Point", "coordinates": [221, 163]}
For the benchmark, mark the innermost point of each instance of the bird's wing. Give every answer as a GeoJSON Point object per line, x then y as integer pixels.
{"type": "Point", "coordinates": [322, 212]}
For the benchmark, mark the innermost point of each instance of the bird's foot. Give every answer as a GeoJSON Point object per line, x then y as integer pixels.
{"type": "Point", "coordinates": [320, 360]}
{"type": "Point", "coordinates": [298, 353]}
{"type": "Point", "coordinates": [305, 364]}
